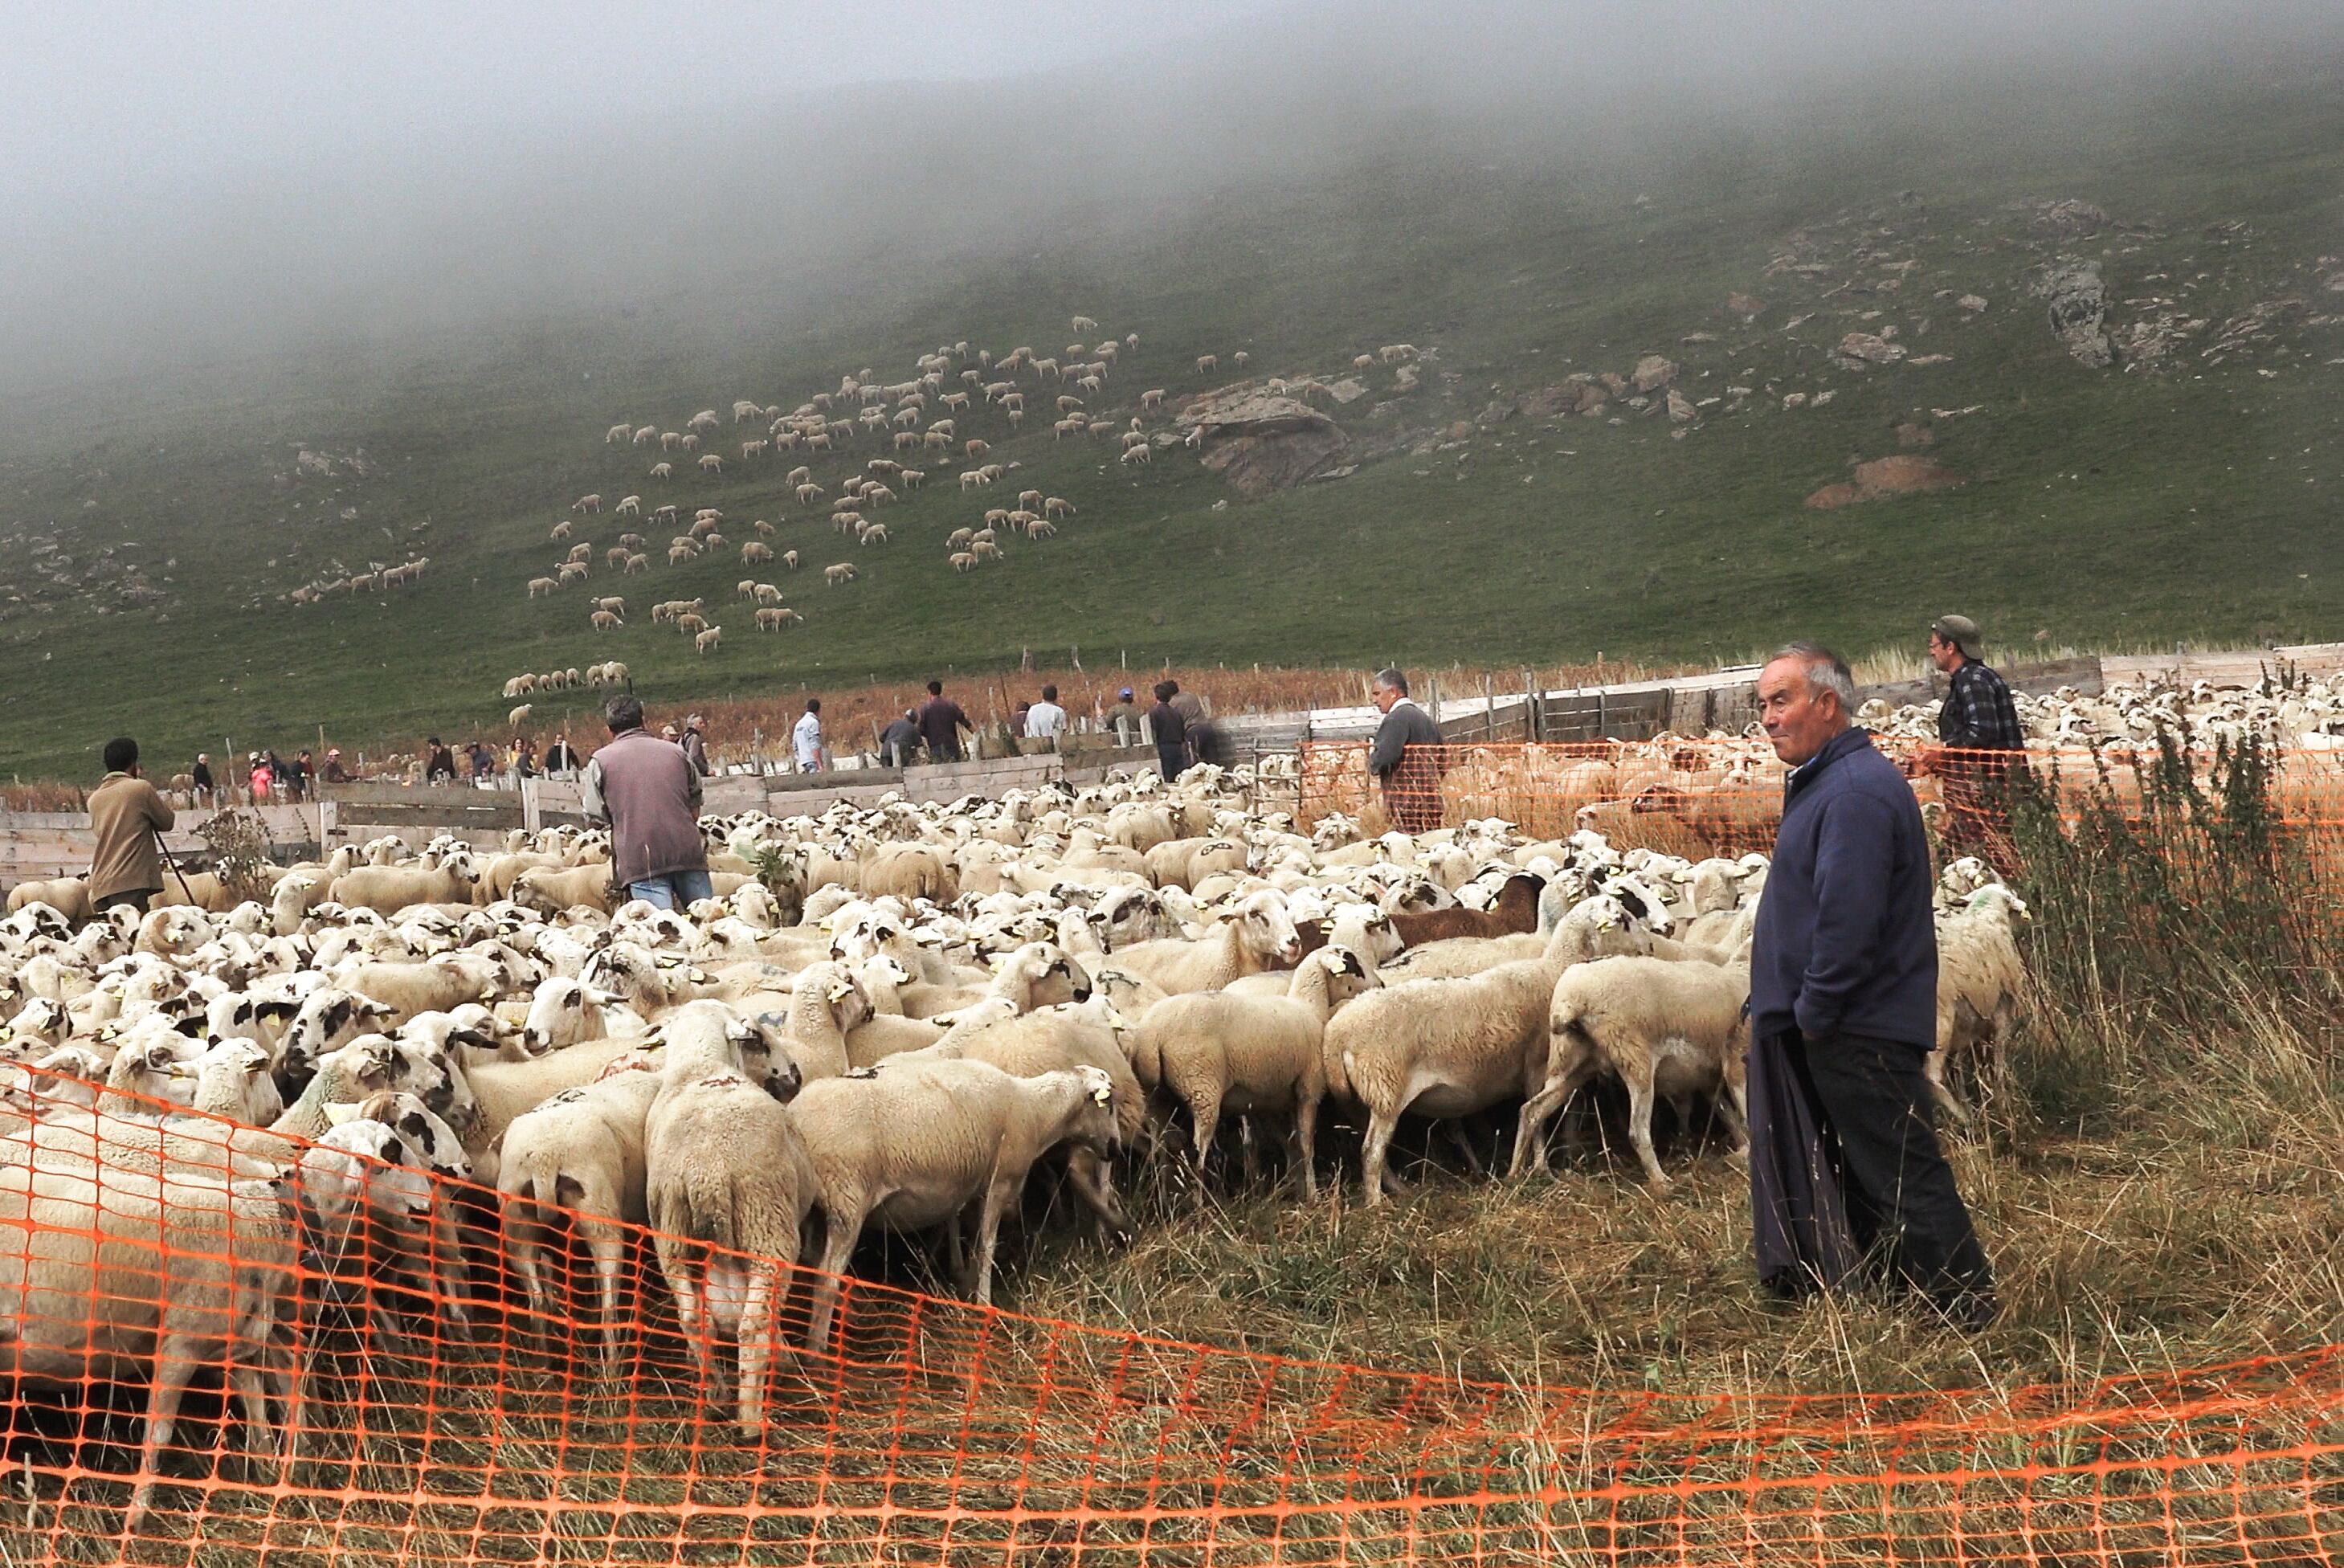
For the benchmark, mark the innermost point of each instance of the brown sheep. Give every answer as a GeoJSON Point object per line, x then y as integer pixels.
{"type": "Point", "coordinates": [1515, 910]}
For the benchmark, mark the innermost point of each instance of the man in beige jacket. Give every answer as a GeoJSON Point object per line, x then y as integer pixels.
{"type": "Point", "coordinates": [126, 813]}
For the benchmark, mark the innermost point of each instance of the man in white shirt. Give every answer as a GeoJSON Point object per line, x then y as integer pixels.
{"type": "Point", "coordinates": [805, 739]}
{"type": "Point", "coordinates": [1045, 720]}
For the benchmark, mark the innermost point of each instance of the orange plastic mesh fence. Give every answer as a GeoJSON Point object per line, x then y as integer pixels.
{"type": "Point", "coordinates": [435, 1418]}
{"type": "Point", "coordinates": [1699, 798]}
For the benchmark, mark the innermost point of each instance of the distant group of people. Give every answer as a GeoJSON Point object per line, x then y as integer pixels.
{"type": "Point", "coordinates": [480, 764]}
{"type": "Point", "coordinates": [265, 778]}
{"type": "Point", "coordinates": [1184, 735]}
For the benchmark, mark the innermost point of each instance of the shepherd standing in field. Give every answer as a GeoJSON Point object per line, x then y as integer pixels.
{"type": "Point", "coordinates": [1412, 784]}
{"type": "Point", "coordinates": [647, 792]}
{"type": "Point", "coordinates": [941, 723]}
{"type": "Point", "coordinates": [806, 738]}
{"type": "Point", "coordinates": [126, 813]}
{"type": "Point", "coordinates": [1984, 744]}
{"type": "Point", "coordinates": [1846, 1177]}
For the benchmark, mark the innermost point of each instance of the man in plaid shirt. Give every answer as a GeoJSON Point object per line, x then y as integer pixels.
{"type": "Point", "coordinates": [1979, 716]}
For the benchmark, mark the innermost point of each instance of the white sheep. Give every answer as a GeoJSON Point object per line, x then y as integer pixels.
{"type": "Point", "coordinates": [1222, 1050]}
{"type": "Point", "coordinates": [1981, 982]}
{"type": "Point", "coordinates": [580, 1150]}
{"type": "Point", "coordinates": [1442, 1048]}
{"type": "Point", "coordinates": [728, 1184]}
{"type": "Point", "coordinates": [1258, 934]}
{"type": "Point", "coordinates": [913, 1143]}
{"type": "Point", "coordinates": [1663, 1027]}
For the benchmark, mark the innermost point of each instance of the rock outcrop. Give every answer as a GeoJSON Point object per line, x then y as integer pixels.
{"type": "Point", "coordinates": [2079, 309]}
{"type": "Point", "coordinates": [1262, 443]}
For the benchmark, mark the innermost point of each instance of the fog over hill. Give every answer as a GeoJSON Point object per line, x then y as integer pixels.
{"type": "Point", "coordinates": [230, 180]}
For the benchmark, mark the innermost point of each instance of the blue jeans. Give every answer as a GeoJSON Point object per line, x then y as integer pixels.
{"type": "Point", "coordinates": [674, 891]}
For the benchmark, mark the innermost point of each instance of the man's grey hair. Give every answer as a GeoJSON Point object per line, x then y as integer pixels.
{"type": "Point", "coordinates": [623, 712]}
{"type": "Point", "coordinates": [1824, 670]}
{"type": "Point", "coordinates": [1392, 680]}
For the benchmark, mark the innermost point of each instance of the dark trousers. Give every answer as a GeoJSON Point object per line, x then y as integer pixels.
{"type": "Point", "coordinates": [137, 900]}
{"type": "Point", "coordinates": [1902, 1205]}
{"type": "Point", "coordinates": [1171, 761]}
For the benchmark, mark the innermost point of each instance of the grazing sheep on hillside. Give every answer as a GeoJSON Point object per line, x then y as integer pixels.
{"type": "Point", "coordinates": [706, 641]}
{"type": "Point", "coordinates": [838, 572]}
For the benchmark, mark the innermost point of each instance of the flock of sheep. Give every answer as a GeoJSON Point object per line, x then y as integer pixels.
{"type": "Point", "coordinates": [916, 419]}
{"type": "Point", "coordinates": [891, 1020]}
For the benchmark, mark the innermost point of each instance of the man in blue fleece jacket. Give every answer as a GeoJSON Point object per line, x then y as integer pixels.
{"type": "Point", "coordinates": [1845, 1169]}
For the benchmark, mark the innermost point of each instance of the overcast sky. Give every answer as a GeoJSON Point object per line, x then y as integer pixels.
{"type": "Point", "coordinates": [230, 169]}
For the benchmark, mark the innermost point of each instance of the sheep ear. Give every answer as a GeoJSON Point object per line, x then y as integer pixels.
{"type": "Point", "coordinates": [339, 1114]}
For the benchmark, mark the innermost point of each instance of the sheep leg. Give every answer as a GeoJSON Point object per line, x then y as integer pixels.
{"type": "Point", "coordinates": [1306, 1144]}
{"type": "Point", "coordinates": [1571, 1069]}
{"type": "Point", "coordinates": [251, 1388]}
{"type": "Point", "coordinates": [1932, 1067]}
{"type": "Point", "coordinates": [608, 1245]}
{"type": "Point", "coordinates": [685, 1288]}
{"type": "Point", "coordinates": [997, 1197]}
{"type": "Point", "coordinates": [1454, 1130]}
{"type": "Point", "coordinates": [1371, 1157]}
{"type": "Point", "coordinates": [448, 1272]}
{"type": "Point", "coordinates": [756, 1345]}
{"type": "Point", "coordinates": [174, 1370]}
{"type": "Point", "coordinates": [1640, 1127]}
{"type": "Point", "coordinates": [1205, 1117]}
{"type": "Point", "coordinates": [1733, 1109]}
{"type": "Point", "coordinates": [839, 1236]}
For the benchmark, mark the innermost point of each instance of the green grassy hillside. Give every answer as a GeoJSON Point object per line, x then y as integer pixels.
{"type": "Point", "coordinates": [2191, 495]}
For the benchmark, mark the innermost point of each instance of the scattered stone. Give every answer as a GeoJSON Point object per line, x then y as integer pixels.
{"type": "Point", "coordinates": [1794, 399]}
{"type": "Point", "coordinates": [1858, 349]}
{"type": "Point", "coordinates": [1826, 396]}
{"type": "Point", "coordinates": [1910, 435]}
{"type": "Point", "coordinates": [1680, 406]}
{"type": "Point", "coordinates": [1930, 360]}
{"type": "Point", "coordinates": [1972, 303]}
{"type": "Point", "coordinates": [1653, 372]}
{"type": "Point", "coordinates": [1698, 338]}
{"type": "Point", "coordinates": [1350, 389]}
{"type": "Point", "coordinates": [2068, 219]}
{"type": "Point", "coordinates": [1885, 477]}
{"type": "Point", "coordinates": [1497, 413]}
{"type": "Point", "coordinates": [1346, 471]}
{"type": "Point", "coordinates": [1745, 306]}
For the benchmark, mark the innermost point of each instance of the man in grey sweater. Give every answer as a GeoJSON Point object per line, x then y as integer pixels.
{"type": "Point", "coordinates": [647, 792]}
{"type": "Point", "coordinates": [1401, 758]}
